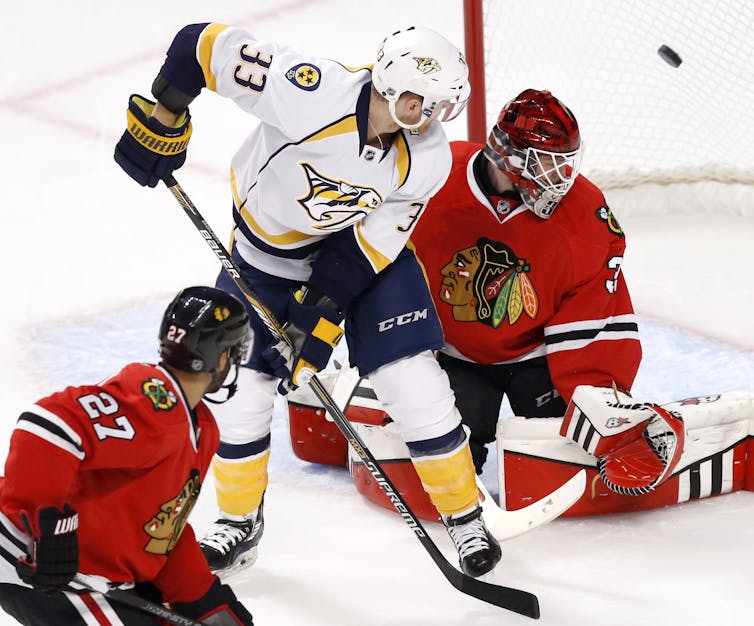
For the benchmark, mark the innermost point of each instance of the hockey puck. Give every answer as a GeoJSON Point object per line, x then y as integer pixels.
{"type": "Point", "coordinates": [669, 55]}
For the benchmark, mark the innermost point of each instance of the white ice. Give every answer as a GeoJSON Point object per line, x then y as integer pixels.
{"type": "Point", "coordinates": [89, 260]}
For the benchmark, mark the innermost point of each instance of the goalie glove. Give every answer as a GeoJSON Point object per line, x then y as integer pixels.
{"type": "Point", "coordinates": [149, 151]}
{"type": "Point", "coordinates": [314, 331]}
{"type": "Point", "coordinates": [641, 465]}
{"type": "Point", "coordinates": [53, 556]}
{"type": "Point", "coordinates": [218, 607]}
{"type": "Point", "coordinates": [637, 445]}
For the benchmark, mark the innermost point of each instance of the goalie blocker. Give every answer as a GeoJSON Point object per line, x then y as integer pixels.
{"type": "Point", "coordinates": [534, 458]}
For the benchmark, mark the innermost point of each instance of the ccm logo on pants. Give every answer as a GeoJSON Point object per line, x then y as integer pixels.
{"type": "Point", "coordinates": [402, 320]}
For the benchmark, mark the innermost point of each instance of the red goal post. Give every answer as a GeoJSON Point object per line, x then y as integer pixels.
{"type": "Point", "coordinates": [643, 121]}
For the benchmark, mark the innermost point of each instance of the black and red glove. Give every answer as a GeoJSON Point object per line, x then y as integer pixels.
{"type": "Point", "coordinates": [54, 550]}
{"type": "Point", "coordinates": [218, 607]}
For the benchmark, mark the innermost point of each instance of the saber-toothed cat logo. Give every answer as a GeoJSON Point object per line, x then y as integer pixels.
{"type": "Point", "coordinates": [486, 283]}
{"type": "Point", "coordinates": [427, 65]}
{"type": "Point", "coordinates": [334, 204]}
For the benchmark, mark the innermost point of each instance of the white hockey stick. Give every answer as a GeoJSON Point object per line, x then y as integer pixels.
{"type": "Point", "coordinates": [507, 524]}
{"type": "Point", "coordinates": [502, 524]}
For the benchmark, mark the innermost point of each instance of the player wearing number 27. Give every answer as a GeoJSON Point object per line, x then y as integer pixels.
{"type": "Point", "coordinates": [326, 191]}
{"type": "Point", "coordinates": [523, 256]}
{"type": "Point", "coordinates": [100, 480]}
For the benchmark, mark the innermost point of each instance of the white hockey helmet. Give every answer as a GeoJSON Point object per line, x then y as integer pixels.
{"type": "Point", "coordinates": [423, 62]}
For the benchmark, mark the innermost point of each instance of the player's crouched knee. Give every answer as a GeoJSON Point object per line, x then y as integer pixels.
{"type": "Point", "coordinates": [218, 607]}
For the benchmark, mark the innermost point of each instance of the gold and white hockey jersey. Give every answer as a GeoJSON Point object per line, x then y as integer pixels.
{"type": "Point", "coordinates": [305, 172]}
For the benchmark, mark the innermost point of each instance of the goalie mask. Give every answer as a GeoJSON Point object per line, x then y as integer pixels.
{"type": "Point", "coordinates": [198, 326]}
{"type": "Point", "coordinates": [421, 61]}
{"type": "Point", "coordinates": [536, 142]}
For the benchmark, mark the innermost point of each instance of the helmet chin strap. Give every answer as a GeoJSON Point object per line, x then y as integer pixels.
{"type": "Point", "coordinates": [232, 387]}
{"type": "Point", "coordinates": [402, 124]}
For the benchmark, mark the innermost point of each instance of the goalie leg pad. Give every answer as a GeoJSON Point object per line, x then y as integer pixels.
{"type": "Point", "coordinates": [639, 466]}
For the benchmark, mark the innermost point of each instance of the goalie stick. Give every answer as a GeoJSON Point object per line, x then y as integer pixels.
{"type": "Point", "coordinates": [131, 599]}
{"type": "Point", "coordinates": [502, 524]}
{"type": "Point", "coordinates": [508, 524]}
{"type": "Point", "coordinates": [516, 600]}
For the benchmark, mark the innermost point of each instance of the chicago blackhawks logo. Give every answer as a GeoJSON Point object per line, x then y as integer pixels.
{"type": "Point", "coordinates": [334, 204]}
{"type": "Point", "coordinates": [161, 397]}
{"type": "Point", "coordinates": [606, 215]}
{"type": "Point", "coordinates": [700, 400]}
{"type": "Point", "coordinates": [487, 283]}
{"type": "Point", "coordinates": [616, 422]}
{"type": "Point", "coordinates": [221, 313]}
{"type": "Point", "coordinates": [165, 528]}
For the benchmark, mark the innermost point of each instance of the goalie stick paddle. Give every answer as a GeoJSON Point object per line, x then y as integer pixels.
{"type": "Point", "coordinates": [516, 600]}
{"type": "Point", "coordinates": [131, 599]}
{"type": "Point", "coordinates": [508, 524]}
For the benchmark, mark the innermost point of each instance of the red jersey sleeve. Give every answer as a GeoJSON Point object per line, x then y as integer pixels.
{"type": "Point", "coordinates": [593, 338]}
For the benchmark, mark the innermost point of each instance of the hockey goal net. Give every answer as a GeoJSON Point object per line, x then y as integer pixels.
{"type": "Point", "coordinates": [643, 121]}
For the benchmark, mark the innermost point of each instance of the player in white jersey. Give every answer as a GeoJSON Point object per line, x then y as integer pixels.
{"type": "Point", "coordinates": [326, 192]}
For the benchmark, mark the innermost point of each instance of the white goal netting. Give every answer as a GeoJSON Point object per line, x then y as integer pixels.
{"type": "Point", "coordinates": [642, 120]}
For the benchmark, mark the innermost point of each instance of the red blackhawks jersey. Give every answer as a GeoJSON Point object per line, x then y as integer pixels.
{"type": "Point", "coordinates": [129, 456]}
{"type": "Point", "coordinates": [510, 286]}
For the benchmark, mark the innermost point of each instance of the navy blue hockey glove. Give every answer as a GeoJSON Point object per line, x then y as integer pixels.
{"type": "Point", "coordinates": [149, 151]}
{"type": "Point", "coordinates": [54, 552]}
{"type": "Point", "coordinates": [313, 328]}
{"type": "Point", "coordinates": [218, 607]}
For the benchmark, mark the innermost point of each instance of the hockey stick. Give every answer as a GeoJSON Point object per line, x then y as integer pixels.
{"type": "Point", "coordinates": [131, 599]}
{"type": "Point", "coordinates": [508, 524]}
{"type": "Point", "coordinates": [516, 600]}
{"type": "Point", "coordinates": [503, 525]}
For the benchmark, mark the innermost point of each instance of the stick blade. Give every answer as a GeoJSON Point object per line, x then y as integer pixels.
{"type": "Point", "coordinates": [507, 524]}
{"type": "Point", "coordinates": [516, 600]}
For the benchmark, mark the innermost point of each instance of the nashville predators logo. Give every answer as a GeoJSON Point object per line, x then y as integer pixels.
{"type": "Point", "coordinates": [165, 528]}
{"type": "Point", "coordinates": [334, 204]}
{"type": "Point", "coordinates": [606, 215]}
{"type": "Point", "coordinates": [488, 283]}
{"type": "Point", "coordinates": [221, 313]}
{"type": "Point", "coordinates": [305, 76]}
{"type": "Point", "coordinates": [161, 397]}
{"type": "Point", "coordinates": [427, 65]}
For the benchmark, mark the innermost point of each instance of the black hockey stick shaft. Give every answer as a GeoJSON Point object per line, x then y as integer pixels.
{"type": "Point", "coordinates": [516, 600]}
{"type": "Point", "coordinates": [131, 599]}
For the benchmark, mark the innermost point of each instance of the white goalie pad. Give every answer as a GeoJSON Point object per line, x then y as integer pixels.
{"type": "Point", "coordinates": [533, 457]}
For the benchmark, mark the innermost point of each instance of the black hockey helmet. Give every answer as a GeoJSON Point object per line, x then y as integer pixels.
{"type": "Point", "coordinates": [199, 324]}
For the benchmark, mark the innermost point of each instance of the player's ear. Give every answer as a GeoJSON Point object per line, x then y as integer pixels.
{"type": "Point", "coordinates": [222, 360]}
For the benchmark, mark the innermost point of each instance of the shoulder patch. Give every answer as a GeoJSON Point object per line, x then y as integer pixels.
{"type": "Point", "coordinates": [161, 397]}
{"type": "Point", "coordinates": [604, 214]}
{"type": "Point", "coordinates": [304, 76]}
